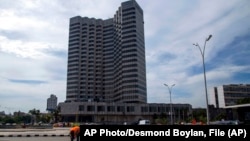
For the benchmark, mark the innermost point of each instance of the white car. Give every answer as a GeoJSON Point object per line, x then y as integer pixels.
{"type": "Point", "coordinates": [144, 122]}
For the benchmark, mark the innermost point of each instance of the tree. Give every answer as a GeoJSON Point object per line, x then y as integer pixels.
{"type": "Point", "coordinates": [243, 101]}
{"type": "Point", "coordinates": [199, 115]}
{"type": "Point", "coordinates": [56, 114]}
{"type": "Point", "coordinates": [35, 113]}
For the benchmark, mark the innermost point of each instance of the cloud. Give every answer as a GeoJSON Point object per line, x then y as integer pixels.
{"type": "Point", "coordinates": [34, 44]}
{"type": "Point", "coordinates": [22, 48]}
{"type": "Point", "coordinates": [171, 57]}
{"type": "Point", "coordinates": [27, 81]}
{"type": "Point", "coordinates": [27, 96]}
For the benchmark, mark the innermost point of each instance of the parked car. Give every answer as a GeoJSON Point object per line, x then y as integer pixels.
{"type": "Point", "coordinates": [144, 122]}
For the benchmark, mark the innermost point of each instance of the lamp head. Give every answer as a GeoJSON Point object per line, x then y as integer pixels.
{"type": "Point", "coordinates": [209, 37]}
{"type": "Point", "coordinates": [195, 44]}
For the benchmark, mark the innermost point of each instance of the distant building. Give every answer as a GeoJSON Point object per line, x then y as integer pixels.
{"type": "Point", "coordinates": [52, 103]}
{"type": "Point", "coordinates": [19, 113]}
{"type": "Point", "coordinates": [228, 95]}
{"type": "Point", "coordinates": [2, 113]}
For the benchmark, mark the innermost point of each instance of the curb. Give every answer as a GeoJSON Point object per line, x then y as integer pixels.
{"type": "Point", "coordinates": [36, 135]}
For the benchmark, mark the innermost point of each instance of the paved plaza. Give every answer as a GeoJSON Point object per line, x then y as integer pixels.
{"type": "Point", "coordinates": [64, 131]}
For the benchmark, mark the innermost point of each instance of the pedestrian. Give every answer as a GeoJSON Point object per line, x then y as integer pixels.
{"type": "Point", "coordinates": [194, 122]}
{"type": "Point", "coordinates": [75, 133]}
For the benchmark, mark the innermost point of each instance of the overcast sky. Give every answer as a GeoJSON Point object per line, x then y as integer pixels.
{"type": "Point", "coordinates": [34, 45]}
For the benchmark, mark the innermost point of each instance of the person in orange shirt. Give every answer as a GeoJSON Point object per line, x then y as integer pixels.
{"type": "Point", "coordinates": [193, 122]}
{"type": "Point", "coordinates": [75, 133]}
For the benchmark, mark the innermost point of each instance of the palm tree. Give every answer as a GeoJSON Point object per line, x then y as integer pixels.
{"type": "Point", "coordinates": [36, 113]}
{"type": "Point", "coordinates": [56, 114]}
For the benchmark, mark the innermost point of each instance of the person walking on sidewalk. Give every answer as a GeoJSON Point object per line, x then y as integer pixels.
{"type": "Point", "coordinates": [75, 133]}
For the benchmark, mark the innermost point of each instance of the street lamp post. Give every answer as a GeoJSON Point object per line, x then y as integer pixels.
{"type": "Point", "coordinates": [204, 70]}
{"type": "Point", "coordinates": [171, 107]}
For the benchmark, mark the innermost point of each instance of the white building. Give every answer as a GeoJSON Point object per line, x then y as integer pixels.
{"type": "Point", "coordinates": [52, 103]}
{"type": "Point", "coordinates": [228, 95]}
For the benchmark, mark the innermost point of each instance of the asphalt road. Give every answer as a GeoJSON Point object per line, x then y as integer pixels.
{"type": "Point", "coordinates": [35, 138]}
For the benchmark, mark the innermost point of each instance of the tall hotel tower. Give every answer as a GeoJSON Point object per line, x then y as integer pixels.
{"type": "Point", "coordinates": [106, 58]}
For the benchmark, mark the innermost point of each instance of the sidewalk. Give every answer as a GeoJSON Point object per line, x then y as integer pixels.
{"type": "Point", "coordinates": [64, 131]}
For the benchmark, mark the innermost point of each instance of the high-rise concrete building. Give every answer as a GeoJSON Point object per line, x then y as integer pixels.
{"type": "Point", "coordinates": [106, 58]}
{"type": "Point", "coordinates": [228, 95]}
{"type": "Point", "coordinates": [106, 79]}
{"type": "Point", "coordinates": [52, 103]}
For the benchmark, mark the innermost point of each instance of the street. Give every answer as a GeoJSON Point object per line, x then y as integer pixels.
{"type": "Point", "coordinates": [35, 138]}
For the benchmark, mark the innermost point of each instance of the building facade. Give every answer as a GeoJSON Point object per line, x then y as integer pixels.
{"type": "Point", "coordinates": [106, 58]}
{"type": "Point", "coordinates": [52, 103]}
{"type": "Point", "coordinates": [228, 95]}
{"type": "Point", "coordinates": [106, 77]}
{"type": "Point", "coordinates": [118, 113]}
